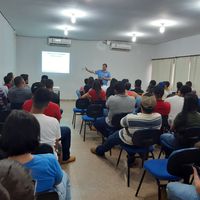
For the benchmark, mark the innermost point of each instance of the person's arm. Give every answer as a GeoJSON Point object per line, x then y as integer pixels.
{"type": "Point", "coordinates": [196, 180]}
{"type": "Point", "coordinates": [85, 96]}
{"type": "Point", "coordinates": [124, 122]}
{"type": "Point", "coordinates": [90, 71]}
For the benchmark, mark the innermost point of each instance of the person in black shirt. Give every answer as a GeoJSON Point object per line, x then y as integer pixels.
{"type": "Point", "coordinates": [137, 88]}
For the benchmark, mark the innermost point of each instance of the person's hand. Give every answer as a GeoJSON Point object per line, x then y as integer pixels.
{"type": "Point", "coordinates": [196, 180]}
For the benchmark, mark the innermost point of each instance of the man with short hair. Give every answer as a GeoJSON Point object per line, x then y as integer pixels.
{"type": "Point", "coordinates": [144, 120]}
{"type": "Point", "coordinates": [50, 128]}
{"type": "Point", "coordinates": [54, 96]}
{"type": "Point", "coordinates": [19, 93]}
{"type": "Point", "coordinates": [25, 77]}
{"type": "Point", "coordinates": [102, 74]}
{"type": "Point", "coordinates": [176, 103]}
{"type": "Point", "coordinates": [119, 103]}
{"type": "Point", "coordinates": [137, 88]}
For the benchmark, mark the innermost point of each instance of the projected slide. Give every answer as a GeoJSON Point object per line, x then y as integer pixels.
{"type": "Point", "coordinates": [55, 62]}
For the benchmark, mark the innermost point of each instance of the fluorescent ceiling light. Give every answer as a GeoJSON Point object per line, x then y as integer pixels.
{"type": "Point", "coordinates": [66, 32]}
{"type": "Point", "coordinates": [73, 18]}
{"type": "Point", "coordinates": [63, 27]}
{"type": "Point", "coordinates": [166, 23]}
{"type": "Point", "coordinates": [75, 12]}
{"type": "Point", "coordinates": [134, 38]}
{"type": "Point", "coordinates": [162, 28]}
{"type": "Point", "coordinates": [137, 34]}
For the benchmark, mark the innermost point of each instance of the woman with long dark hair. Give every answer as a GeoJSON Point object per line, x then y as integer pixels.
{"type": "Point", "coordinates": [96, 93]}
{"type": "Point", "coordinates": [187, 118]}
{"type": "Point", "coordinates": [111, 89]}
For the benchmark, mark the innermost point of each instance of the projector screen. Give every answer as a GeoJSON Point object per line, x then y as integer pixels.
{"type": "Point", "coordinates": [55, 62]}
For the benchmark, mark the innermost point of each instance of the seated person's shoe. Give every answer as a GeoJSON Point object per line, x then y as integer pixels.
{"type": "Point", "coordinates": [93, 150]}
{"type": "Point", "coordinates": [71, 159]}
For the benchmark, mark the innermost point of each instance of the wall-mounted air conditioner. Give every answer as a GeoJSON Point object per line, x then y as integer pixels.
{"type": "Point", "coordinates": [58, 41]}
{"type": "Point", "coordinates": [120, 46]}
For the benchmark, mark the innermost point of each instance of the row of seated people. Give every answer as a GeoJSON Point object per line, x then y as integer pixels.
{"type": "Point", "coordinates": [182, 109]}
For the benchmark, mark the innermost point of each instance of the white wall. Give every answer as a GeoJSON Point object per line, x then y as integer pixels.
{"type": "Point", "coordinates": [180, 47]}
{"type": "Point", "coordinates": [7, 49]}
{"type": "Point", "coordinates": [132, 65]}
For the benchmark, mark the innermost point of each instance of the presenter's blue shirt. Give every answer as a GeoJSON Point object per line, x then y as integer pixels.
{"type": "Point", "coordinates": [45, 170]}
{"type": "Point", "coordinates": [103, 74]}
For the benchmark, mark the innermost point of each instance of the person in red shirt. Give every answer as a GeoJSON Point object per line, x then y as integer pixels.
{"type": "Point", "coordinates": [161, 107]}
{"type": "Point", "coordinates": [96, 93]}
{"type": "Point", "coordinates": [52, 110]}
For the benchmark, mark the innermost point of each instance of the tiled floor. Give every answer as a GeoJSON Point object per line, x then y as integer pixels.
{"type": "Point", "coordinates": [95, 178]}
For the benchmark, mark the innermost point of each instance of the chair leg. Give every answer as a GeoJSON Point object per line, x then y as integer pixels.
{"type": "Point", "coordinates": [119, 157]}
{"type": "Point", "coordinates": [74, 121]}
{"type": "Point", "coordinates": [81, 127]}
{"type": "Point", "coordinates": [84, 131]}
{"type": "Point", "coordinates": [139, 186]}
{"type": "Point", "coordinates": [160, 153]}
{"type": "Point", "coordinates": [73, 118]}
{"type": "Point", "coordinates": [159, 189]}
{"type": "Point", "coordinates": [110, 152]}
{"type": "Point", "coordinates": [128, 174]}
{"type": "Point", "coordinates": [152, 155]}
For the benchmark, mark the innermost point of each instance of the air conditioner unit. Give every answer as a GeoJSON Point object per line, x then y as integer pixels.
{"type": "Point", "coordinates": [120, 46]}
{"type": "Point", "coordinates": [57, 41]}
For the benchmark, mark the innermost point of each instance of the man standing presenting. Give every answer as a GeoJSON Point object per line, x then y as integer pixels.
{"type": "Point", "coordinates": [102, 74]}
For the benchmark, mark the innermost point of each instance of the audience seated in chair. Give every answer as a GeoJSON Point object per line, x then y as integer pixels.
{"type": "Point", "coordinates": [138, 88]}
{"type": "Point", "coordinates": [54, 97]}
{"type": "Point", "coordinates": [52, 110]}
{"type": "Point", "coordinates": [19, 93]}
{"type": "Point", "coordinates": [119, 103]}
{"type": "Point", "coordinates": [51, 132]}
{"type": "Point", "coordinates": [132, 123]}
{"type": "Point", "coordinates": [152, 85]}
{"type": "Point", "coordinates": [187, 118]}
{"type": "Point", "coordinates": [176, 103]}
{"type": "Point", "coordinates": [128, 92]}
{"type": "Point", "coordinates": [96, 93]}
{"type": "Point", "coordinates": [25, 77]}
{"type": "Point", "coordinates": [18, 145]}
{"type": "Point", "coordinates": [15, 181]}
{"type": "Point", "coordinates": [111, 89]}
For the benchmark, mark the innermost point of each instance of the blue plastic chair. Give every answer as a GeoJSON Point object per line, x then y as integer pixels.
{"type": "Point", "coordinates": [143, 141]}
{"type": "Point", "coordinates": [93, 112]}
{"type": "Point", "coordinates": [80, 109]}
{"type": "Point", "coordinates": [175, 168]}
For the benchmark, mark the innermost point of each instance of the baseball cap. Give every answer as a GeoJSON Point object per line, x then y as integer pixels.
{"type": "Point", "coordinates": [148, 101]}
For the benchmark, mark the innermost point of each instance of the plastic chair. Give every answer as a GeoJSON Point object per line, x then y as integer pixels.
{"type": "Point", "coordinates": [80, 109]}
{"type": "Point", "coordinates": [93, 112]}
{"type": "Point", "coordinates": [47, 196]}
{"type": "Point", "coordinates": [175, 168]}
{"type": "Point", "coordinates": [143, 141]}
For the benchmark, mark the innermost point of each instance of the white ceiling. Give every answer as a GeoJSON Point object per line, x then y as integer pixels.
{"type": "Point", "coordinates": [105, 19]}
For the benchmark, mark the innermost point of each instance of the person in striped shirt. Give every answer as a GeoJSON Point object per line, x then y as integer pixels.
{"type": "Point", "coordinates": [144, 120]}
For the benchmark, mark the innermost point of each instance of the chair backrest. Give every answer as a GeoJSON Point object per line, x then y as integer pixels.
{"type": "Point", "coordinates": [188, 137]}
{"type": "Point", "coordinates": [116, 120]}
{"type": "Point", "coordinates": [103, 103]}
{"type": "Point", "coordinates": [94, 111]}
{"type": "Point", "coordinates": [146, 137]}
{"type": "Point", "coordinates": [47, 196]}
{"type": "Point", "coordinates": [82, 103]}
{"type": "Point", "coordinates": [180, 162]}
{"type": "Point", "coordinates": [43, 149]}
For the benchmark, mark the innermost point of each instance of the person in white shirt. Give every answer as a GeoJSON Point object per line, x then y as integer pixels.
{"type": "Point", "coordinates": [176, 103]}
{"type": "Point", "coordinates": [50, 129]}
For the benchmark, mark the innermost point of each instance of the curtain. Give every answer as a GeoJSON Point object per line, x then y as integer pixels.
{"type": "Point", "coordinates": [182, 70]}
{"type": "Point", "coordinates": [195, 73]}
{"type": "Point", "coordinates": [162, 69]}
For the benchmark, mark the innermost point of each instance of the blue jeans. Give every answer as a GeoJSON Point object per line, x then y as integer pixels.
{"type": "Point", "coordinates": [112, 140]}
{"type": "Point", "coordinates": [65, 141]}
{"type": "Point", "coordinates": [168, 140]}
{"type": "Point", "coordinates": [63, 188]}
{"type": "Point", "coordinates": [180, 191]}
{"type": "Point", "coordinates": [101, 126]}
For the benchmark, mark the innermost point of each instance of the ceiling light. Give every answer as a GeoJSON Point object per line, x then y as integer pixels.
{"type": "Point", "coordinates": [162, 28]}
{"type": "Point", "coordinates": [134, 38]}
{"type": "Point", "coordinates": [66, 31]}
{"type": "Point", "coordinates": [73, 18]}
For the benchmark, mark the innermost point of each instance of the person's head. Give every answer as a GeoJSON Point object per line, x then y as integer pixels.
{"type": "Point", "coordinates": [158, 92]}
{"type": "Point", "coordinates": [19, 81]}
{"type": "Point", "coordinates": [125, 80]}
{"type": "Point", "coordinates": [166, 84]}
{"type": "Point", "coordinates": [148, 102]}
{"type": "Point", "coordinates": [41, 98]}
{"type": "Point", "coordinates": [90, 81]}
{"type": "Point", "coordinates": [119, 88]}
{"type": "Point", "coordinates": [7, 80]}
{"type": "Point", "coordinates": [104, 67]}
{"type": "Point", "coordinates": [44, 77]}
{"type": "Point", "coordinates": [189, 84]}
{"type": "Point", "coordinates": [191, 103]}
{"type": "Point", "coordinates": [10, 76]}
{"type": "Point", "coordinates": [184, 90]}
{"type": "Point", "coordinates": [127, 86]}
{"type": "Point", "coordinates": [15, 182]}
{"type": "Point", "coordinates": [86, 81]}
{"type": "Point", "coordinates": [21, 134]}
{"type": "Point", "coordinates": [113, 82]}
{"type": "Point", "coordinates": [152, 83]}
{"type": "Point", "coordinates": [35, 86]}
{"type": "Point", "coordinates": [96, 86]}
{"type": "Point", "coordinates": [138, 83]}
{"type": "Point", "coordinates": [179, 85]}
{"type": "Point", "coordinates": [25, 77]}
{"type": "Point", "coordinates": [49, 84]}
